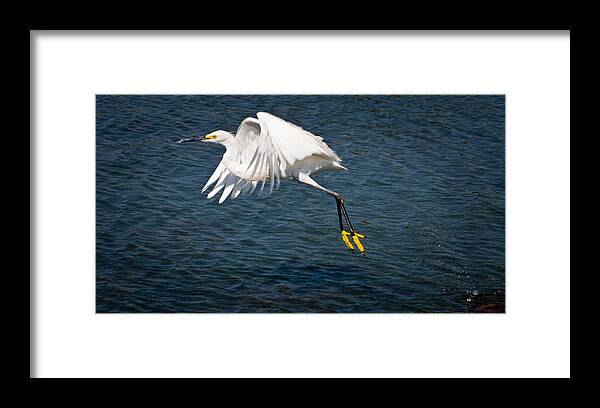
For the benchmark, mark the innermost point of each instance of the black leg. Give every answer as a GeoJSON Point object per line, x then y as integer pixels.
{"type": "Point", "coordinates": [347, 218]}
{"type": "Point", "coordinates": [344, 233]}
{"type": "Point", "coordinates": [337, 201]}
{"type": "Point", "coordinates": [355, 235]}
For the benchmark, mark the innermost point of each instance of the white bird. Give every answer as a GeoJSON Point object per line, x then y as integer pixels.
{"type": "Point", "coordinates": [267, 150]}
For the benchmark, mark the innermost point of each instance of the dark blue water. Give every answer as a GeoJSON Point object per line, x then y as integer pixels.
{"type": "Point", "coordinates": [425, 185]}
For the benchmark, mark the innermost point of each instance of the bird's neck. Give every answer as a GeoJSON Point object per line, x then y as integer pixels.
{"type": "Point", "coordinates": [229, 141]}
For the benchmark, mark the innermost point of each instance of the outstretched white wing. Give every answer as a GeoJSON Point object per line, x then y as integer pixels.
{"type": "Point", "coordinates": [269, 148]}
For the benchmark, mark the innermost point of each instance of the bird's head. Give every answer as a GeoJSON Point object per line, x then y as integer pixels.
{"type": "Point", "coordinates": [218, 136]}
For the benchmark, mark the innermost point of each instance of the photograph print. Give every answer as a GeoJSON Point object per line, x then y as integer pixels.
{"type": "Point", "coordinates": [300, 203]}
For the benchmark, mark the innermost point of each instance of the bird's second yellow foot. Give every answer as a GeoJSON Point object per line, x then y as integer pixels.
{"type": "Point", "coordinates": [359, 244]}
{"type": "Point", "coordinates": [347, 241]}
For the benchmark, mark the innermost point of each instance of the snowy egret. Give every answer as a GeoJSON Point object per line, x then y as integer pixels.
{"type": "Point", "coordinates": [270, 149]}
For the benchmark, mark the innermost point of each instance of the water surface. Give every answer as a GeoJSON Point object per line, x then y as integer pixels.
{"type": "Point", "coordinates": [425, 185]}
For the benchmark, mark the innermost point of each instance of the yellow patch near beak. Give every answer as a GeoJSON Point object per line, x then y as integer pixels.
{"type": "Point", "coordinates": [208, 137]}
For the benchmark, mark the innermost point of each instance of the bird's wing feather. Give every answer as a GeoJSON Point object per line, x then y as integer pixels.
{"type": "Point", "coordinates": [230, 182]}
{"type": "Point", "coordinates": [215, 176]}
{"type": "Point", "coordinates": [292, 143]}
{"type": "Point", "coordinates": [272, 152]}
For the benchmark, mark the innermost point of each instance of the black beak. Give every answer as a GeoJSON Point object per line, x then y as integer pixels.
{"type": "Point", "coordinates": [190, 140]}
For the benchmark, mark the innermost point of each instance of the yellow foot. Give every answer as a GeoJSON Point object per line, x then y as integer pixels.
{"type": "Point", "coordinates": [347, 241]}
{"type": "Point", "coordinates": [359, 245]}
